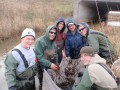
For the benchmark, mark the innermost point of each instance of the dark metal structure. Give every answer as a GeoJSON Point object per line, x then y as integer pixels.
{"type": "Point", "coordinates": [94, 10]}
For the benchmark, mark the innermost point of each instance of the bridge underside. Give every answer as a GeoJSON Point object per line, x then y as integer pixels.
{"type": "Point", "coordinates": [94, 11]}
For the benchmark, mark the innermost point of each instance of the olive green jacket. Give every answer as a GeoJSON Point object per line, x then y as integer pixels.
{"type": "Point", "coordinates": [100, 43]}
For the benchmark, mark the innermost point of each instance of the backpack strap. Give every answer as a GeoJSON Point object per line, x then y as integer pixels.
{"type": "Point", "coordinates": [98, 34]}
{"type": "Point", "coordinates": [107, 69]}
{"type": "Point", "coordinates": [22, 56]}
{"type": "Point", "coordinates": [34, 50]}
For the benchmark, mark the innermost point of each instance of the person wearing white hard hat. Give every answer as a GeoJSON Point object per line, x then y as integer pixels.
{"type": "Point", "coordinates": [20, 63]}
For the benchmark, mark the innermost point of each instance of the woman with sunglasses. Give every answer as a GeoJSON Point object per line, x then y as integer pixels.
{"type": "Point", "coordinates": [99, 42]}
{"type": "Point", "coordinates": [45, 49]}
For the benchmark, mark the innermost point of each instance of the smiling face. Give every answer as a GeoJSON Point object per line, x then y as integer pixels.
{"type": "Point", "coordinates": [72, 27]}
{"type": "Point", "coordinates": [52, 34]}
{"type": "Point", "coordinates": [60, 25]}
{"type": "Point", "coordinates": [82, 30]}
{"type": "Point", "coordinates": [27, 41]}
{"type": "Point", "coordinates": [85, 58]}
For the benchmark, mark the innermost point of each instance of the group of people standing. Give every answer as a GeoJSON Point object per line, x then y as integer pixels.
{"type": "Point", "coordinates": [21, 63]}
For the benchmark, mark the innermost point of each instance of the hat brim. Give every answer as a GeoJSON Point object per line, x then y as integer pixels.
{"type": "Point", "coordinates": [28, 35]}
{"type": "Point", "coordinates": [70, 24]}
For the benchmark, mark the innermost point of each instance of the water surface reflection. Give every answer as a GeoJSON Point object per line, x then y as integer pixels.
{"type": "Point", "coordinates": [113, 23]}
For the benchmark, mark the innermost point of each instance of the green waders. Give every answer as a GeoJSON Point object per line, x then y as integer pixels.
{"type": "Point", "coordinates": [25, 80]}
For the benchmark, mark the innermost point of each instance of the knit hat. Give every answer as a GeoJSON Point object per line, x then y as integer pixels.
{"type": "Point", "coordinates": [87, 50]}
{"type": "Point", "coordinates": [70, 21]}
{"type": "Point", "coordinates": [28, 32]}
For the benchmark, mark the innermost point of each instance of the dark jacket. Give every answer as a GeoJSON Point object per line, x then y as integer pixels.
{"type": "Point", "coordinates": [73, 44]}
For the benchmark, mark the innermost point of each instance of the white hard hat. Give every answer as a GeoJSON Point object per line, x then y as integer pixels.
{"type": "Point", "coordinates": [28, 32]}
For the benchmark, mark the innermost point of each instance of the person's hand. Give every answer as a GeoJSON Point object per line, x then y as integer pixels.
{"type": "Point", "coordinates": [12, 88]}
{"type": "Point", "coordinates": [68, 58]}
{"type": "Point", "coordinates": [77, 80]}
{"type": "Point", "coordinates": [54, 66]}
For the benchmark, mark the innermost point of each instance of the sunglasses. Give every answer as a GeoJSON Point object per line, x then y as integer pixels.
{"type": "Point", "coordinates": [53, 33]}
{"type": "Point", "coordinates": [82, 29]}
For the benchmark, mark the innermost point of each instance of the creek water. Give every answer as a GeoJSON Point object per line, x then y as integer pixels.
{"type": "Point", "coordinates": [3, 83]}
{"type": "Point", "coordinates": [113, 23]}
{"type": "Point", "coordinates": [114, 20]}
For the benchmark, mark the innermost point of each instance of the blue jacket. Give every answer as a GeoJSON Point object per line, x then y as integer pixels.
{"type": "Point", "coordinates": [74, 43]}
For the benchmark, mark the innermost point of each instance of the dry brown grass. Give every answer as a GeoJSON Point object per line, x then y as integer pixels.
{"type": "Point", "coordinates": [15, 15]}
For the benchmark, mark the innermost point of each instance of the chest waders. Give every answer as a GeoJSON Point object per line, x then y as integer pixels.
{"type": "Point", "coordinates": [60, 45]}
{"type": "Point", "coordinates": [25, 80]}
{"type": "Point", "coordinates": [49, 55]}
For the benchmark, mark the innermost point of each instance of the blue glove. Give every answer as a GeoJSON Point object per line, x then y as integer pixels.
{"type": "Point", "coordinates": [12, 88]}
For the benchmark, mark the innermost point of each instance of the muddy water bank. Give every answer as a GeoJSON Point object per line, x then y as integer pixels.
{"type": "Point", "coordinates": [5, 46]}
{"type": "Point", "coordinates": [8, 44]}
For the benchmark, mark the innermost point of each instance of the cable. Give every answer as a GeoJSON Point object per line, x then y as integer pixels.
{"type": "Point", "coordinates": [102, 28]}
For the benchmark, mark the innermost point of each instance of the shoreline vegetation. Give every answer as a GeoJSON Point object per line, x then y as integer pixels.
{"type": "Point", "coordinates": [16, 15]}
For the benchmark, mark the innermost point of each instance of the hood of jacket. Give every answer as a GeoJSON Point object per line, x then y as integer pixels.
{"type": "Point", "coordinates": [61, 19]}
{"type": "Point", "coordinates": [85, 25]}
{"type": "Point", "coordinates": [97, 59]}
{"type": "Point", "coordinates": [70, 20]}
{"type": "Point", "coordinates": [46, 35]}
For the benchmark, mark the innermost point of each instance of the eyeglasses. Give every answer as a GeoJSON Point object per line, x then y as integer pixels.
{"type": "Point", "coordinates": [53, 33]}
{"type": "Point", "coordinates": [82, 29]}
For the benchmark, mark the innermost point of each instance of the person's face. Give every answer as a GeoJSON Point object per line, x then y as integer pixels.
{"type": "Point", "coordinates": [82, 30]}
{"type": "Point", "coordinates": [60, 25]}
{"type": "Point", "coordinates": [52, 34]}
{"type": "Point", "coordinates": [27, 41]}
{"type": "Point", "coordinates": [72, 27]}
{"type": "Point", "coordinates": [85, 59]}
